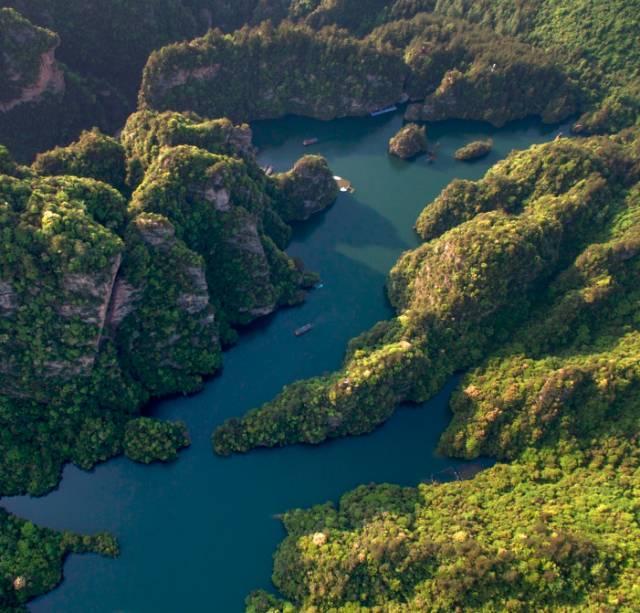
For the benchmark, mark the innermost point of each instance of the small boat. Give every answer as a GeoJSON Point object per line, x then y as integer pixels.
{"type": "Point", "coordinates": [344, 185]}
{"type": "Point", "coordinates": [386, 109]}
{"type": "Point", "coordinates": [310, 141]}
{"type": "Point", "coordinates": [268, 170]}
{"type": "Point", "coordinates": [304, 329]}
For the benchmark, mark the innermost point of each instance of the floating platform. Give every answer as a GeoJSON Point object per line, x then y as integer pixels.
{"type": "Point", "coordinates": [303, 330]}
{"type": "Point", "coordinates": [344, 185]}
{"type": "Point", "coordinates": [386, 109]}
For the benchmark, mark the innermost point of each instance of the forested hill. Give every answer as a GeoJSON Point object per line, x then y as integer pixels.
{"type": "Point", "coordinates": [126, 267]}
{"type": "Point", "coordinates": [513, 58]}
{"type": "Point", "coordinates": [530, 280]}
{"type": "Point", "coordinates": [140, 235]}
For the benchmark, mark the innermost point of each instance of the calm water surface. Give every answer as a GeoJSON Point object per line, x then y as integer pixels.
{"type": "Point", "coordinates": [199, 534]}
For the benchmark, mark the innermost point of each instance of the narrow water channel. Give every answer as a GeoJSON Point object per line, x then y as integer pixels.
{"type": "Point", "coordinates": [199, 534]}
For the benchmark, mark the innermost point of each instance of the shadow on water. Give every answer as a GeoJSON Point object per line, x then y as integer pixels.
{"type": "Point", "coordinates": [199, 534]}
{"type": "Point", "coordinates": [358, 224]}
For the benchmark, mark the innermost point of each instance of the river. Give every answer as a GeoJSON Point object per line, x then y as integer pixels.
{"type": "Point", "coordinates": [199, 534]}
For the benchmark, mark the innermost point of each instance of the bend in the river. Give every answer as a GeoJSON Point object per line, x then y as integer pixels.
{"type": "Point", "coordinates": [199, 534]}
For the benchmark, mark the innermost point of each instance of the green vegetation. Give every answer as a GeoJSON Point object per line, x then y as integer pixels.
{"type": "Point", "coordinates": [546, 533]}
{"type": "Point", "coordinates": [94, 155]}
{"type": "Point", "coordinates": [532, 274]}
{"type": "Point", "coordinates": [124, 268]}
{"type": "Point", "coordinates": [149, 440]}
{"type": "Point", "coordinates": [572, 374]}
{"type": "Point", "coordinates": [493, 247]}
{"type": "Point", "coordinates": [340, 75]}
{"type": "Point", "coordinates": [449, 62]}
{"type": "Point", "coordinates": [145, 133]}
{"type": "Point", "coordinates": [107, 301]}
{"type": "Point", "coordinates": [410, 141]}
{"type": "Point", "coordinates": [111, 40]}
{"type": "Point", "coordinates": [461, 70]}
{"type": "Point", "coordinates": [307, 188]}
{"type": "Point", "coordinates": [551, 58]}
{"type": "Point", "coordinates": [475, 150]}
{"type": "Point", "coordinates": [23, 46]}
{"type": "Point", "coordinates": [31, 558]}
{"type": "Point", "coordinates": [42, 103]}
{"type": "Point", "coordinates": [128, 263]}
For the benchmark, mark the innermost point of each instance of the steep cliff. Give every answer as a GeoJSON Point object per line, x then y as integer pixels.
{"type": "Point", "coordinates": [146, 132]}
{"type": "Point", "coordinates": [531, 274]}
{"type": "Point", "coordinates": [492, 248]}
{"type": "Point", "coordinates": [29, 69]}
{"type": "Point", "coordinates": [107, 301]}
{"type": "Point", "coordinates": [544, 58]}
{"type": "Point", "coordinates": [513, 59]}
{"type": "Point", "coordinates": [268, 77]}
{"type": "Point", "coordinates": [306, 189]}
{"type": "Point", "coordinates": [217, 204]}
{"type": "Point", "coordinates": [442, 61]}
{"type": "Point", "coordinates": [42, 103]}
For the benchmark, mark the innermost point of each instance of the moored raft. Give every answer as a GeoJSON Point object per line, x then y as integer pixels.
{"type": "Point", "coordinates": [344, 185]}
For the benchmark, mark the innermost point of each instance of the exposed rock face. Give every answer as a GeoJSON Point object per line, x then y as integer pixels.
{"type": "Point", "coordinates": [410, 141]}
{"type": "Point", "coordinates": [8, 298]}
{"type": "Point", "coordinates": [123, 301]}
{"type": "Point", "coordinates": [86, 299]}
{"type": "Point", "coordinates": [64, 304]}
{"type": "Point", "coordinates": [29, 67]}
{"type": "Point", "coordinates": [478, 273]}
{"type": "Point", "coordinates": [42, 103]}
{"type": "Point", "coordinates": [449, 68]}
{"type": "Point", "coordinates": [50, 79]}
{"type": "Point", "coordinates": [89, 295]}
{"type": "Point", "coordinates": [219, 198]}
{"type": "Point", "coordinates": [305, 74]}
{"type": "Point", "coordinates": [221, 209]}
{"type": "Point", "coordinates": [181, 77]}
{"type": "Point", "coordinates": [254, 294]}
{"type": "Point", "coordinates": [161, 310]}
{"type": "Point", "coordinates": [156, 231]}
{"type": "Point", "coordinates": [147, 132]}
{"type": "Point", "coordinates": [107, 301]}
{"type": "Point", "coordinates": [308, 188]}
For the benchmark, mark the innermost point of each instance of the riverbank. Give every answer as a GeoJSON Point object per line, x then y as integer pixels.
{"type": "Point", "coordinates": [202, 530]}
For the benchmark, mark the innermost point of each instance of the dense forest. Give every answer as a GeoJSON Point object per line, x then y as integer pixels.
{"type": "Point", "coordinates": [552, 58]}
{"type": "Point", "coordinates": [126, 267]}
{"type": "Point", "coordinates": [529, 277]}
{"type": "Point", "coordinates": [140, 235]}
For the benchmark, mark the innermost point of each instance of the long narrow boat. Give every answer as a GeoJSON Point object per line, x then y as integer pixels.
{"type": "Point", "coordinates": [304, 329]}
{"type": "Point", "coordinates": [386, 109]}
{"type": "Point", "coordinates": [310, 141]}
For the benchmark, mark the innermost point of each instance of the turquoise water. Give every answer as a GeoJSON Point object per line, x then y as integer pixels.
{"type": "Point", "coordinates": [199, 534]}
